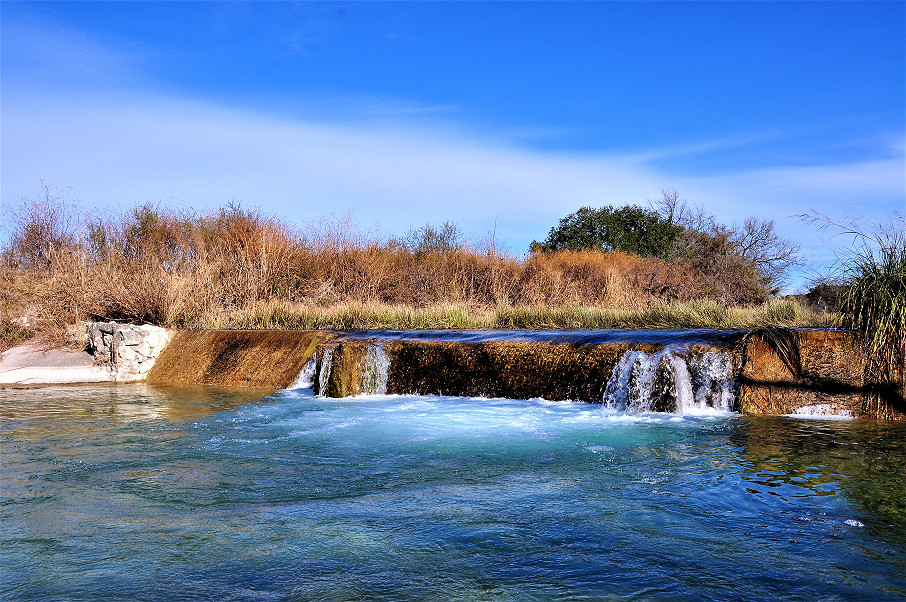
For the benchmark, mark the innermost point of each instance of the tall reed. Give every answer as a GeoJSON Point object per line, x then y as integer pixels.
{"type": "Point", "coordinates": [873, 277]}
{"type": "Point", "coordinates": [875, 304]}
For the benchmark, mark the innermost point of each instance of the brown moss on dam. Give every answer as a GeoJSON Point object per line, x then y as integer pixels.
{"type": "Point", "coordinates": [236, 358]}
{"type": "Point", "coordinates": [346, 370]}
{"type": "Point", "coordinates": [777, 372]}
{"type": "Point", "coordinates": [518, 370]}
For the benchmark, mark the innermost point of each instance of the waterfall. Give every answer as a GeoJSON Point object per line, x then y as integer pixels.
{"type": "Point", "coordinates": [670, 381]}
{"type": "Point", "coordinates": [306, 378]}
{"type": "Point", "coordinates": [324, 365]}
{"type": "Point", "coordinates": [373, 368]}
{"type": "Point", "coordinates": [374, 374]}
{"type": "Point", "coordinates": [713, 380]}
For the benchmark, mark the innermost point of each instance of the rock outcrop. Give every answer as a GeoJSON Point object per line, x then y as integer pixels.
{"type": "Point", "coordinates": [129, 351]}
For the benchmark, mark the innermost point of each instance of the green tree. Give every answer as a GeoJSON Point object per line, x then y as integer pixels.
{"type": "Point", "coordinates": [631, 229]}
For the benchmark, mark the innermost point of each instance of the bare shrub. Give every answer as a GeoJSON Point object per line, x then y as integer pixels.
{"type": "Point", "coordinates": [44, 230]}
{"type": "Point", "coordinates": [755, 255]}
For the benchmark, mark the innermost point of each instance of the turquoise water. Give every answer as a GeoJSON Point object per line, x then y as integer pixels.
{"type": "Point", "coordinates": [132, 492]}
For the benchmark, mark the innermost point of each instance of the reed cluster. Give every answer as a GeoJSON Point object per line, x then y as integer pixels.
{"type": "Point", "coordinates": [874, 303]}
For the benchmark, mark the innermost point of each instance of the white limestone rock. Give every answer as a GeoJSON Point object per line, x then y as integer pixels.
{"type": "Point", "coordinates": [129, 351]}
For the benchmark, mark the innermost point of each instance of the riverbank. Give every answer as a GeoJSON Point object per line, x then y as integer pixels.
{"type": "Point", "coordinates": [28, 365]}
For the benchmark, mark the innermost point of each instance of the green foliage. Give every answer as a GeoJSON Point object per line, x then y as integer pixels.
{"type": "Point", "coordinates": [875, 303]}
{"type": "Point", "coordinates": [630, 229]}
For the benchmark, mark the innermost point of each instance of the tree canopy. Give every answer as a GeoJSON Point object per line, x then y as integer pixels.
{"type": "Point", "coordinates": [631, 229]}
{"type": "Point", "coordinates": [736, 264]}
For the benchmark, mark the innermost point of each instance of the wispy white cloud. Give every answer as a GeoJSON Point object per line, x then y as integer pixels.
{"type": "Point", "coordinates": [137, 149]}
{"type": "Point", "coordinates": [699, 147]}
{"type": "Point", "coordinates": [43, 55]}
{"type": "Point", "coordinates": [127, 149]}
{"type": "Point", "coordinates": [394, 163]}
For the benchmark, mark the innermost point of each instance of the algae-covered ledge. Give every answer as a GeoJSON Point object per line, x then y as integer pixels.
{"type": "Point", "coordinates": [768, 372]}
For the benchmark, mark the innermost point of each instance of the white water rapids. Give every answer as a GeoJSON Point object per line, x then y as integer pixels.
{"type": "Point", "coordinates": [672, 380]}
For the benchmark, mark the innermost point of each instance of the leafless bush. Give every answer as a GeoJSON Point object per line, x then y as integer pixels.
{"type": "Point", "coordinates": [740, 264]}
{"type": "Point", "coordinates": [44, 230]}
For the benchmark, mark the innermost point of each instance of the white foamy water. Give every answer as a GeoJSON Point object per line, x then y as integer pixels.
{"type": "Point", "coordinates": [306, 379]}
{"type": "Point", "coordinates": [389, 419]}
{"type": "Point", "coordinates": [821, 411]}
{"type": "Point", "coordinates": [324, 365]}
{"type": "Point", "coordinates": [377, 367]}
{"type": "Point", "coordinates": [671, 381]}
{"type": "Point", "coordinates": [712, 379]}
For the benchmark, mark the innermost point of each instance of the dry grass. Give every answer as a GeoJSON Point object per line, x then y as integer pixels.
{"type": "Point", "coordinates": [239, 269]}
{"type": "Point", "coordinates": [370, 316]}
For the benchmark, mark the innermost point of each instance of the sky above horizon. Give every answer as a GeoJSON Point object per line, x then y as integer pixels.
{"type": "Point", "coordinates": [501, 117]}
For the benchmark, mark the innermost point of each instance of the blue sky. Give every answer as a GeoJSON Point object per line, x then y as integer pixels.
{"type": "Point", "coordinates": [498, 116]}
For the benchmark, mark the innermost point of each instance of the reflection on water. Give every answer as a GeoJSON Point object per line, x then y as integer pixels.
{"type": "Point", "coordinates": [33, 407]}
{"type": "Point", "coordinates": [139, 492]}
{"type": "Point", "coordinates": [862, 459]}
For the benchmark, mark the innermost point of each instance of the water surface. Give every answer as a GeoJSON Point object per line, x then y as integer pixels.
{"type": "Point", "coordinates": [135, 492]}
{"type": "Point", "coordinates": [676, 337]}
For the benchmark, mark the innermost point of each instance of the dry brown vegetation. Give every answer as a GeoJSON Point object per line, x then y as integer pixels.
{"type": "Point", "coordinates": [238, 268]}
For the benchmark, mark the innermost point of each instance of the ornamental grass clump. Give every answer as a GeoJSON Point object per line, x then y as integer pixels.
{"type": "Point", "coordinates": [873, 278]}
{"type": "Point", "coordinates": [874, 303]}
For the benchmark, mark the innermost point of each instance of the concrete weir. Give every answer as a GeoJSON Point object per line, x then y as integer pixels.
{"type": "Point", "coordinates": [764, 371]}
{"type": "Point", "coordinates": [237, 358]}
{"type": "Point", "coordinates": [769, 371]}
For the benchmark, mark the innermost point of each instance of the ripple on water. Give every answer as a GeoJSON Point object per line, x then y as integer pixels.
{"type": "Point", "coordinates": [133, 492]}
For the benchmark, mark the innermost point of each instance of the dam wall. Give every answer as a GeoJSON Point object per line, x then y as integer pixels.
{"type": "Point", "coordinates": [798, 371]}
{"type": "Point", "coordinates": [767, 371]}
{"type": "Point", "coordinates": [770, 371]}
{"type": "Point", "coordinates": [271, 359]}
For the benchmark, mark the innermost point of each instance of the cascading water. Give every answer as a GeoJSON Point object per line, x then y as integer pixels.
{"type": "Point", "coordinates": [377, 367]}
{"type": "Point", "coordinates": [669, 381]}
{"type": "Point", "coordinates": [306, 379]}
{"type": "Point", "coordinates": [374, 368]}
{"type": "Point", "coordinates": [712, 379]}
{"type": "Point", "coordinates": [324, 364]}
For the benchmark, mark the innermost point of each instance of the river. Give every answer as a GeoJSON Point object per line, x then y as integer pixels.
{"type": "Point", "coordinates": [136, 492]}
